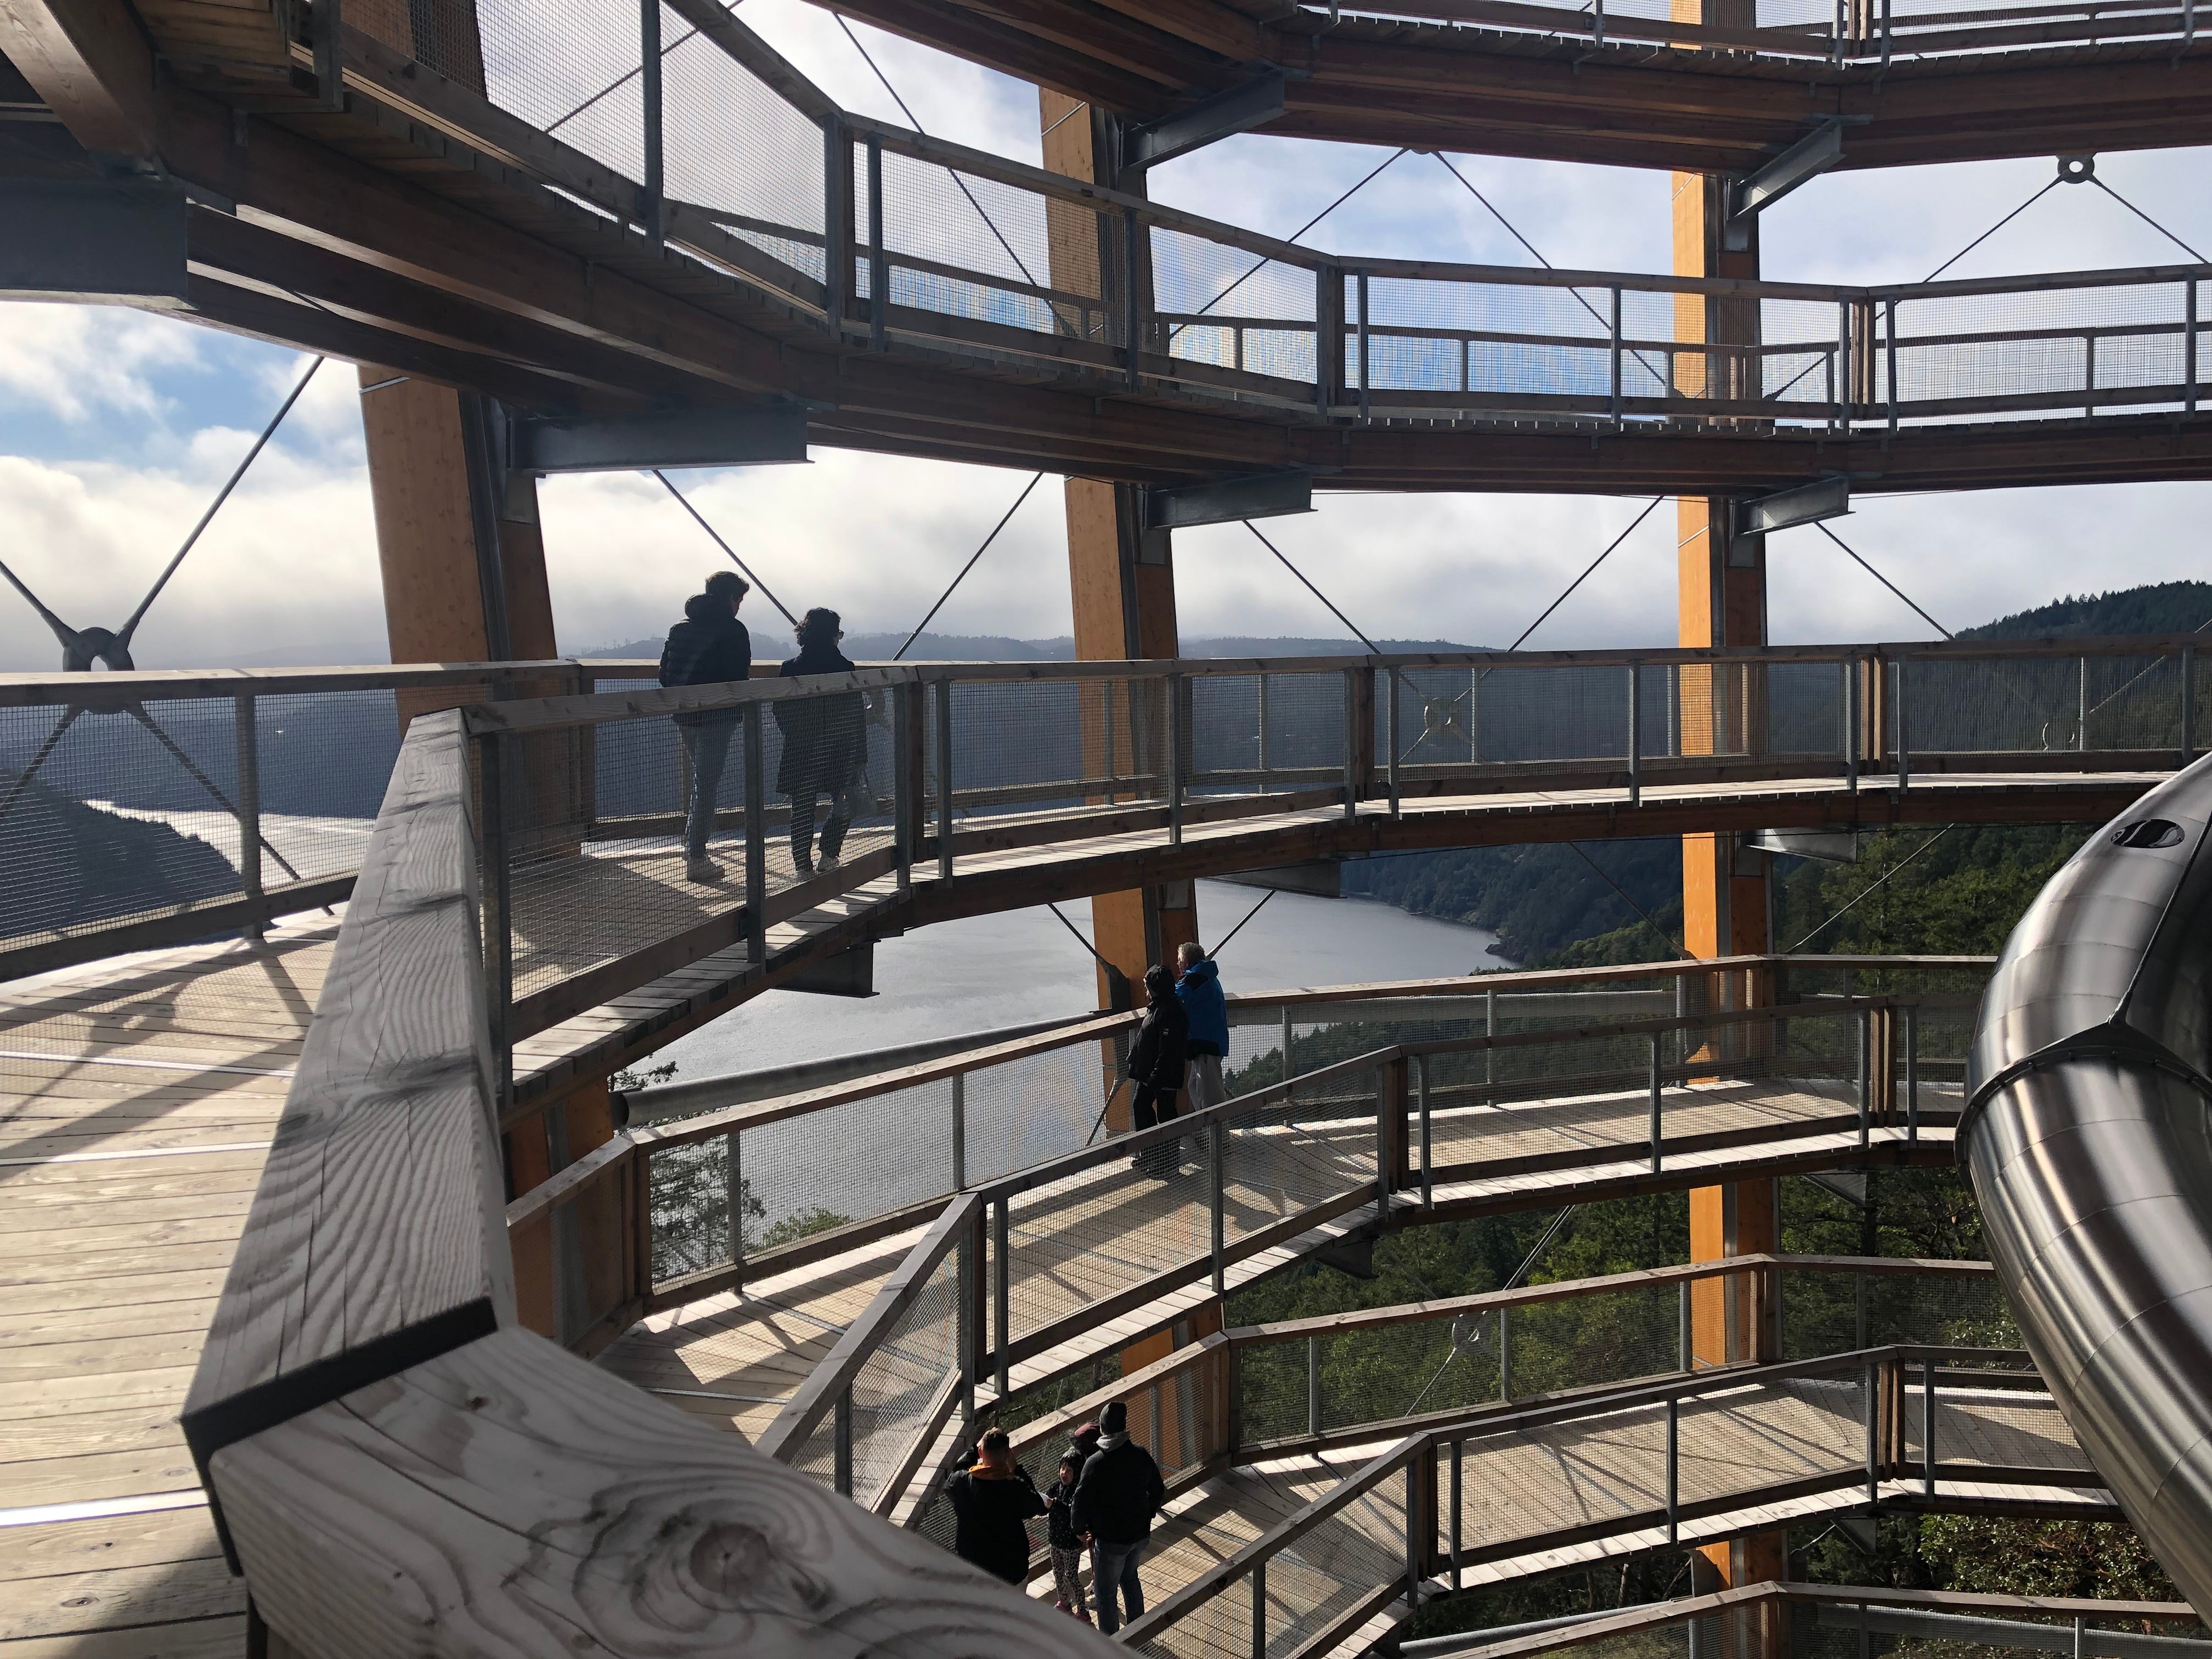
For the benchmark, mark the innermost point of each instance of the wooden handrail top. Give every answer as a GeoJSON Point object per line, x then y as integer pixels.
{"type": "Point", "coordinates": [118, 690]}
{"type": "Point", "coordinates": [597, 707]}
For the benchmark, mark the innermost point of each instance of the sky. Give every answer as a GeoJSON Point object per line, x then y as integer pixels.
{"type": "Point", "coordinates": [118, 426]}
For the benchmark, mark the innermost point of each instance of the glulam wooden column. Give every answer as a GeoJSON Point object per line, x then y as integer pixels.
{"type": "Point", "coordinates": [1721, 588]}
{"type": "Point", "coordinates": [1122, 579]}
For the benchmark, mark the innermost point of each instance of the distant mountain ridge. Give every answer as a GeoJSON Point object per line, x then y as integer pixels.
{"type": "Point", "coordinates": [2159, 608]}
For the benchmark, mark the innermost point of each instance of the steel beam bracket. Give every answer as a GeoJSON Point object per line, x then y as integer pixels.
{"type": "Point", "coordinates": [1228, 500]}
{"type": "Point", "coordinates": [1241, 107]}
{"type": "Point", "coordinates": [1753, 192]}
{"type": "Point", "coordinates": [1824, 498]}
{"type": "Point", "coordinates": [743, 436]}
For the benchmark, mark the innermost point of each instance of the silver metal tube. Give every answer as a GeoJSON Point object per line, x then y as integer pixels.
{"type": "Point", "coordinates": [2092, 1166]}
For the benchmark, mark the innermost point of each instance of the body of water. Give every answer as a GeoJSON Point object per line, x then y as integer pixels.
{"type": "Point", "coordinates": [1022, 965]}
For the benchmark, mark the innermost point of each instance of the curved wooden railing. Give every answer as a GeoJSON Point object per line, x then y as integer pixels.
{"type": "Point", "coordinates": [395, 1465]}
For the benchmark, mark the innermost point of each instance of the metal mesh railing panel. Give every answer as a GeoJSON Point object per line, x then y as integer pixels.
{"type": "Point", "coordinates": [894, 1390]}
{"type": "Point", "coordinates": [1825, 1313]}
{"type": "Point", "coordinates": [2047, 704]}
{"type": "Point", "coordinates": [571, 72]}
{"type": "Point", "coordinates": [1996, 1428]}
{"type": "Point", "coordinates": [1085, 1237]}
{"type": "Point", "coordinates": [734, 147]}
{"type": "Point", "coordinates": [1222, 305]}
{"type": "Point", "coordinates": [1312, 1582]}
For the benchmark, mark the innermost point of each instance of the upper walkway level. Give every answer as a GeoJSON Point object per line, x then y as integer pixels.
{"type": "Point", "coordinates": [1642, 83]}
{"type": "Point", "coordinates": [529, 223]}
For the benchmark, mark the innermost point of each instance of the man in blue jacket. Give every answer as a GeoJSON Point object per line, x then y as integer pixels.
{"type": "Point", "coordinates": [1199, 988]}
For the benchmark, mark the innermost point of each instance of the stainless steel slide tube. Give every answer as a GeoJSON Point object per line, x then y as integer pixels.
{"type": "Point", "coordinates": [2087, 1137]}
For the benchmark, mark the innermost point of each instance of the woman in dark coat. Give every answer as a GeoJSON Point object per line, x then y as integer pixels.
{"type": "Point", "coordinates": [825, 745]}
{"type": "Point", "coordinates": [990, 1500]}
{"type": "Point", "coordinates": [1156, 1067]}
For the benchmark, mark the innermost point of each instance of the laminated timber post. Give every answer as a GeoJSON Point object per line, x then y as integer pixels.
{"type": "Point", "coordinates": [1121, 576]}
{"type": "Point", "coordinates": [1725, 887]}
{"type": "Point", "coordinates": [1121, 581]}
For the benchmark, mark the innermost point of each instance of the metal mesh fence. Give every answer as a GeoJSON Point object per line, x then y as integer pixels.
{"type": "Point", "coordinates": [1993, 1427]}
{"type": "Point", "coordinates": [109, 816]}
{"type": "Point", "coordinates": [893, 1392]}
{"type": "Point", "coordinates": [1310, 1582]}
{"type": "Point", "coordinates": [2047, 704]}
{"type": "Point", "coordinates": [1837, 1313]}
{"type": "Point", "coordinates": [572, 73]}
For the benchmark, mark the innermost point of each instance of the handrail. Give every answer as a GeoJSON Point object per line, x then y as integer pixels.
{"type": "Point", "coordinates": [387, 1454]}
{"type": "Point", "coordinates": [535, 714]}
{"type": "Point", "coordinates": [1630, 1620]}
{"type": "Point", "coordinates": [1885, 1362]}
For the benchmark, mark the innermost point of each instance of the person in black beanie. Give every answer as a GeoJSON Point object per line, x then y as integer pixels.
{"type": "Point", "coordinates": [1120, 1492]}
{"type": "Point", "coordinates": [825, 745]}
{"type": "Point", "coordinates": [709, 647]}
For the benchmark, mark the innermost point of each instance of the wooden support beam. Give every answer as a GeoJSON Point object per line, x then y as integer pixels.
{"type": "Point", "coordinates": [89, 62]}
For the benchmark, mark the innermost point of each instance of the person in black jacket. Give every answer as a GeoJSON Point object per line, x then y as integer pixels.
{"type": "Point", "coordinates": [709, 647]}
{"type": "Point", "coordinates": [1119, 1493]}
{"type": "Point", "coordinates": [825, 745]}
{"type": "Point", "coordinates": [991, 1501]}
{"type": "Point", "coordinates": [1156, 1066]}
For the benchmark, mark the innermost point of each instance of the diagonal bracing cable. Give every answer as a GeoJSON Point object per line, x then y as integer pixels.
{"type": "Point", "coordinates": [1885, 581]}
{"type": "Point", "coordinates": [1256, 270]}
{"type": "Point", "coordinates": [1871, 886]}
{"type": "Point", "coordinates": [970, 566]}
{"type": "Point", "coordinates": [2047, 190]}
{"type": "Point", "coordinates": [2146, 219]}
{"type": "Point", "coordinates": [914, 121]}
{"type": "Point", "coordinates": [1311, 589]}
{"type": "Point", "coordinates": [724, 546]}
{"type": "Point", "coordinates": [123, 633]}
{"type": "Point", "coordinates": [1239, 927]}
{"type": "Point", "coordinates": [1541, 259]}
{"type": "Point", "coordinates": [1666, 938]}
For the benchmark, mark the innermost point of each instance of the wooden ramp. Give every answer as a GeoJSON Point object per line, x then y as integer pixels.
{"type": "Point", "coordinates": [137, 1102]}
{"type": "Point", "coordinates": [1523, 1494]}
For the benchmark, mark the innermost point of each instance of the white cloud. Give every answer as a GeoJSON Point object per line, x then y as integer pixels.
{"type": "Point", "coordinates": [74, 362]}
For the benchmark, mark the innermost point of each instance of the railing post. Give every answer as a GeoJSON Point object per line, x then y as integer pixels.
{"type": "Point", "coordinates": [1176, 759]}
{"type": "Point", "coordinates": [1865, 1101]}
{"type": "Point", "coordinates": [1505, 1353]}
{"type": "Point", "coordinates": [755, 836]}
{"type": "Point", "coordinates": [1001, 1298]}
{"type": "Point", "coordinates": [246, 738]}
{"type": "Point", "coordinates": [1889, 325]}
{"type": "Point", "coordinates": [1851, 674]}
{"type": "Point", "coordinates": [836, 225]}
{"type": "Point", "coordinates": [1358, 736]}
{"type": "Point", "coordinates": [1843, 410]}
{"type": "Point", "coordinates": [960, 1131]}
{"type": "Point", "coordinates": [650, 216]}
{"type": "Point", "coordinates": [1313, 1385]}
{"type": "Point", "coordinates": [1328, 338]}
{"type": "Point", "coordinates": [733, 1178]}
{"type": "Point", "coordinates": [1635, 737]}
{"type": "Point", "coordinates": [2189, 346]}
{"type": "Point", "coordinates": [1459, 1450]}
{"type": "Point", "coordinates": [1132, 371]}
{"type": "Point", "coordinates": [1683, 1327]}
{"type": "Point", "coordinates": [970, 1335]}
{"type": "Point", "coordinates": [2188, 703]}
{"type": "Point", "coordinates": [1216, 1158]}
{"type": "Point", "coordinates": [1912, 1072]}
{"type": "Point", "coordinates": [1390, 736]}
{"type": "Point", "coordinates": [879, 264]}
{"type": "Point", "coordinates": [903, 754]}
{"type": "Point", "coordinates": [1413, 1534]}
{"type": "Point", "coordinates": [1259, 1609]}
{"type": "Point", "coordinates": [1927, 1428]}
{"type": "Point", "coordinates": [943, 779]}
{"type": "Point", "coordinates": [2082, 704]}
{"type": "Point", "coordinates": [1617, 389]}
{"type": "Point", "coordinates": [841, 1431]}
{"type": "Point", "coordinates": [1288, 1071]}
{"type": "Point", "coordinates": [1656, 1143]}
{"type": "Point", "coordinates": [1904, 760]}
{"type": "Point", "coordinates": [1421, 1088]}
{"type": "Point", "coordinates": [1873, 1384]}
{"type": "Point", "coordinates": [1673, 1467]}
{"type": "Point", "coordinates": [1365, 414]}
{"type": "Point", "coordinates": [1489, 1029]}
{"type": "Point", "coordinates": [498, 912]}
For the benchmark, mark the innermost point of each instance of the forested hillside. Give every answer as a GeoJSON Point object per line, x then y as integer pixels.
{"type": "Point", "coordinates": [1962, 893]}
